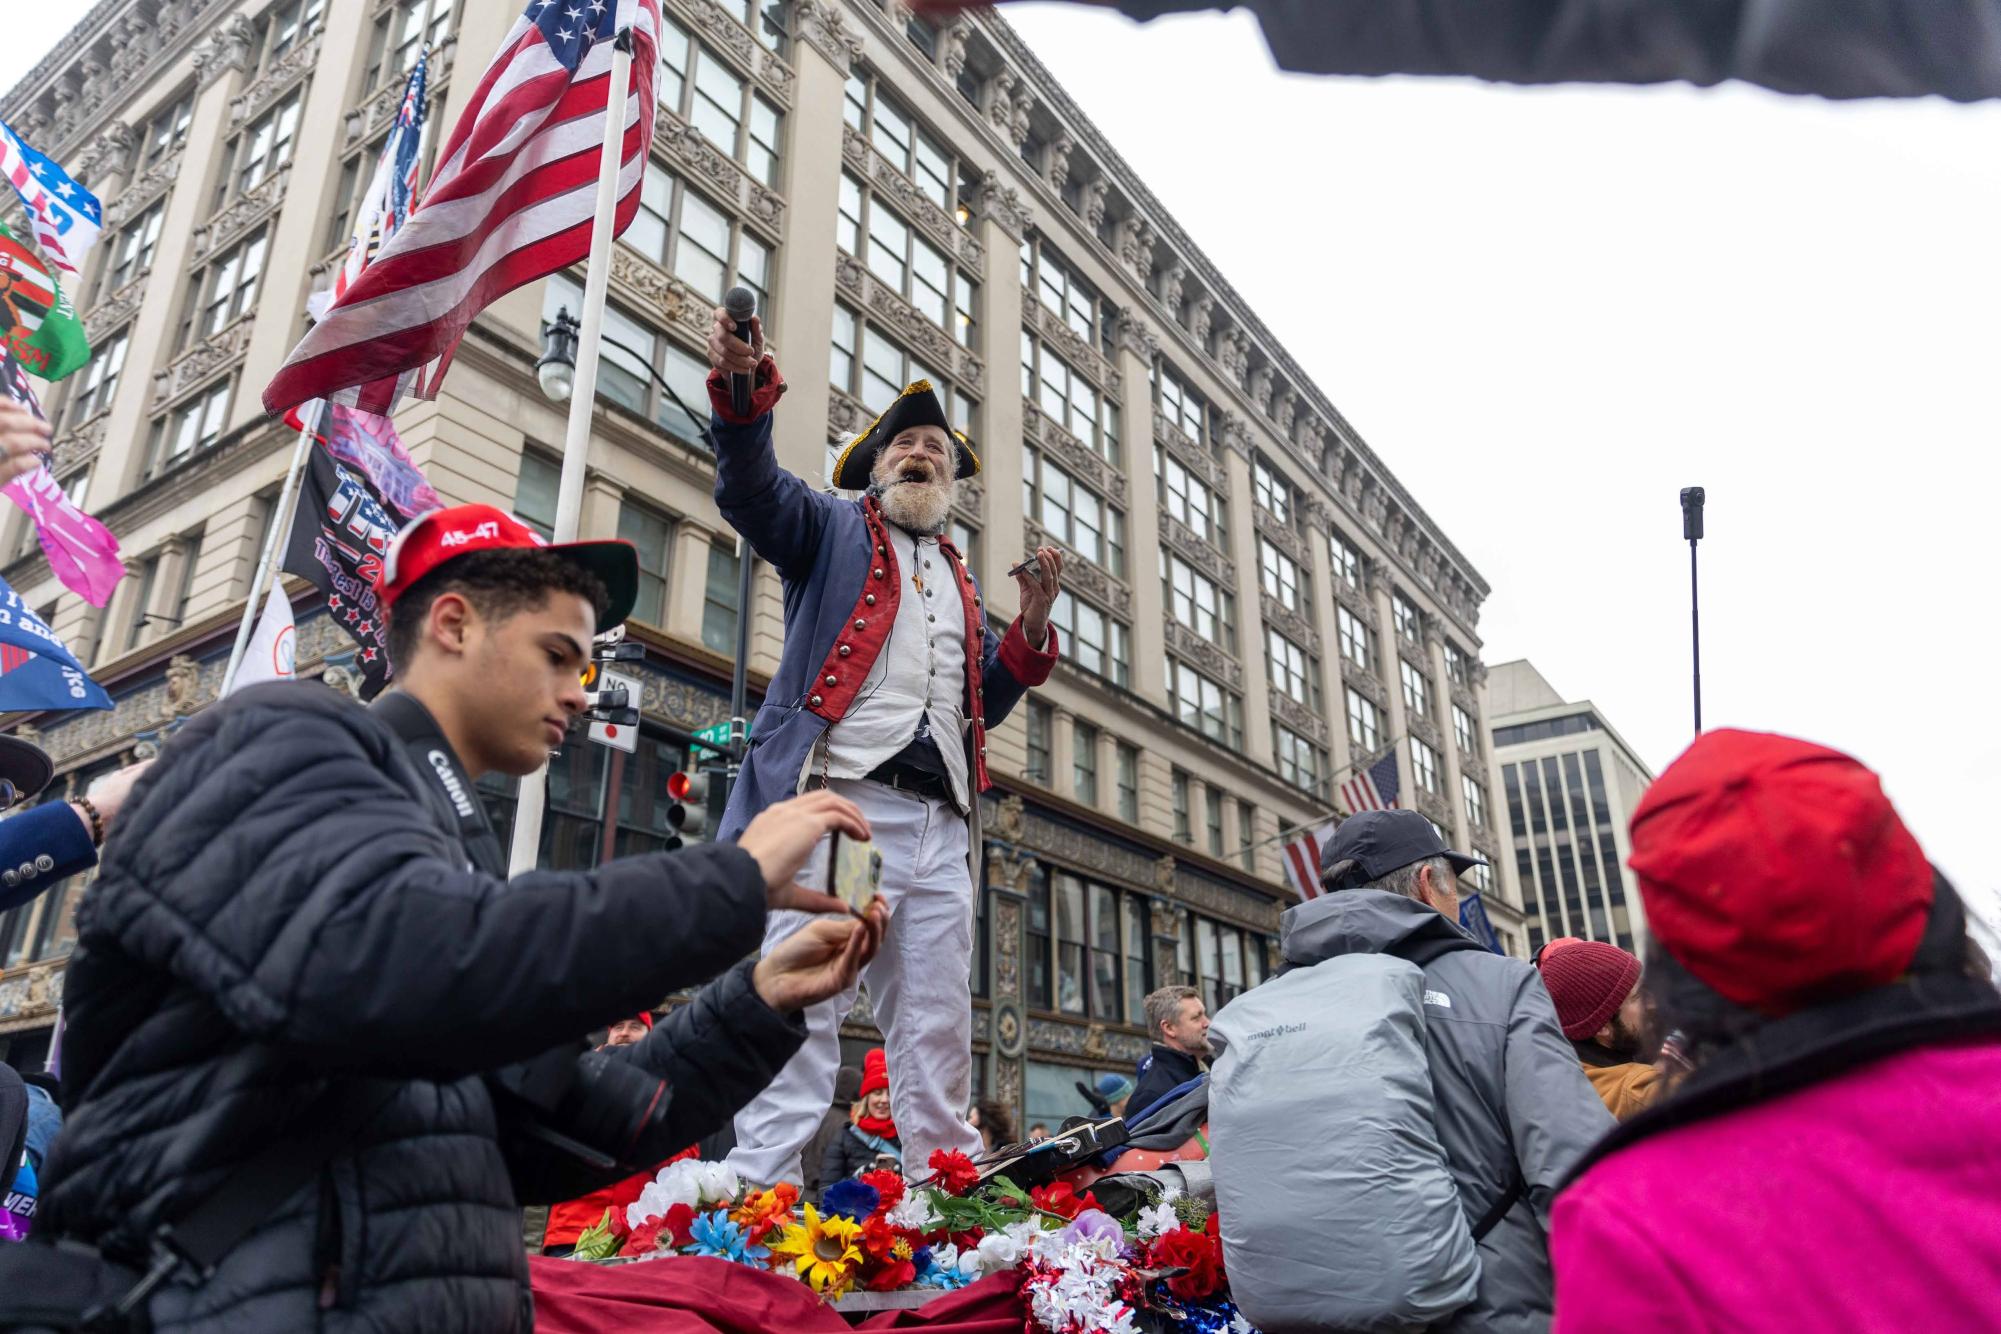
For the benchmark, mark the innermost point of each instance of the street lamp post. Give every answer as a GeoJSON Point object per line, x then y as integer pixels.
{"type": "Point", "coordinates": [556, 372]}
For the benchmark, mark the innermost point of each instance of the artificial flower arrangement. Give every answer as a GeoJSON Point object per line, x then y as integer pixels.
{"type": "Point", "coordinates": [1082, 1271]}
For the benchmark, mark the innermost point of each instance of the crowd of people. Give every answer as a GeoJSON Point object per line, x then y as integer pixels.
{"type": "Point", "coordinates": [320, 1050]}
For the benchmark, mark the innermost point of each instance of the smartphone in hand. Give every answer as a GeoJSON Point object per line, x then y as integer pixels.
{"type": "Point", "coordinates": [854, 871]}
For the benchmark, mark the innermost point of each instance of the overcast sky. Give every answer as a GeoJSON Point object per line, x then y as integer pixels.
{"type": "Point", "coordinates": [1549, 310]}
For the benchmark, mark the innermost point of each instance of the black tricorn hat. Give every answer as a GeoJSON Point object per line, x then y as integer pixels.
{"type": "Point", "coordinates": [917, 405]}
{"type": "Point", "coordinates": [24, 765]}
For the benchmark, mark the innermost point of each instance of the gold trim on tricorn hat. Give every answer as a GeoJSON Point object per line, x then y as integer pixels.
{"type": "Point", "coordinates": [917, 405]}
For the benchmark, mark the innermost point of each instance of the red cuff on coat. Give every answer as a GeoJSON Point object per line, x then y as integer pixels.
{"type": "Point", "coordinates": [1030, 666]}
{"type": "Point", "coordinates": [767, 387]}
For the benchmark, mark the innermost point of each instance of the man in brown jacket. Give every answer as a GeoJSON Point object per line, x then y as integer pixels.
{"type": "Point", "coordinates": [1596, 988]}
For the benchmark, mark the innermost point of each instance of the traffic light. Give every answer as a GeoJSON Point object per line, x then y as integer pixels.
{"type": "Point", "coordinates": [688, 808]}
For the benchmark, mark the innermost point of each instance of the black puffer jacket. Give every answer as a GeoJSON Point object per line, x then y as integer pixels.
{"type": "Point", "coordinates": [281, 908]}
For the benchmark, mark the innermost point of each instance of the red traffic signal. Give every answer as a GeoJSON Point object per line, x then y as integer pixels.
{"type": "Point", "coordinates": [679, 785]}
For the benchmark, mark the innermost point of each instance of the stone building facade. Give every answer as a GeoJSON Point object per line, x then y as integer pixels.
{"type": "Point", "coordinates": [1256, 604]}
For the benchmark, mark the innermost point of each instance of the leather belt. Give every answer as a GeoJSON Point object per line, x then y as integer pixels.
{"type": "Point", "coordinates": [909, 778]}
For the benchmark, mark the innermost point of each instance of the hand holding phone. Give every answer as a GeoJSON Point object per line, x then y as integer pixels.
{"type": "Point", "coordinates": [854, 870]}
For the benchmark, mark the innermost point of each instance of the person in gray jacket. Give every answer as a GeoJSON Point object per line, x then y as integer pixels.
{"type": "Point", "coordinates": [1511, 1105]}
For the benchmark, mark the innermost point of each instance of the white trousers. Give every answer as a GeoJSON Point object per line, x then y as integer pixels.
{"type": "Point", "coordinates": [918, 984]}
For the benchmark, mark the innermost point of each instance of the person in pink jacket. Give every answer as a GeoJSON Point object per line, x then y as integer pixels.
{"type": "Point", "coordinates": [1834, 1160]}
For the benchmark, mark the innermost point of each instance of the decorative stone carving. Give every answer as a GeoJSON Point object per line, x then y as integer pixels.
{"type": "Point", "coordinates": [1204, 654]}
{"type": "Point", "coordinates": [1163, 872]}
{"type": "Point", "coordinates": [1002, 202]}
{"type": "Point", "coordinates": [1281, 535]}
{"type": "Point", "coordinates": [1171, 279]}
{"type": "Point", "coordinates": [286, 71]}
{"type": "Point", "coordinates": [1136, 242]}
{"type": "Point", "coordinates": [110, 154]}
{"type": "Point", "coordinates": [1232, 348]}
{"type": "Point", "coordinates": [227, 48]}
{"type": "Point", "coordinates": [1056, 167]}
{"type": "Point", "coordinates": [667, 295]}
{"type": "Point", "coordinates": [1077, 458]}
{"type": "Point", "coordinates": [776, 75]}
{"type": "Point", "coordinates": [201, 361]}
{"type": "Point", "coordinates": [723, 29]}
{"type": "Point", "coordinates": [911, 325]}
{"type": "Point", "coordinates": [115, 309]}
{"type": "Point", "coordinates": [1010, 819]}
{"type": "Point", "coordinates": [1000, 100]}
{"type": "Point", "coordinates": [1258, 386]}
{"type": "Point", "coordinates": [31, 992]}
{"type": "Point", "coordinates": [1201, 313]}
{"type": "Point", "coordinates": [250, 208]}
{"type": "Point", "coordinates": [825, 29]}
{"type": "Point", "coordinates": [952, 47]}
{"type": "Point", "coordinates": [1074, 350]}
{"type": "Point", "coordinates": [1095, 191]}
{"type": "Point", "coordinates": [136, 197]}
{"type": "Point", "coordinates": [1082, 576]}
{"type": "Point", "coordinates": [914, 204]}
{"type": "Point", "coordinates": [343, 678]}
{"type": "Point", "coordinates": [1009, 868]}
{"type": "Point", "coordinates": [1235, 435]}
{"type": "Point", "coordinates": [1018, 120]}
{"type": "Point", "coordinates": [1197, 551]}
{"type": "Point", "coordinates": [1298, 717]}
{"type": "Point", "coordinates": [1135, 337]}
{"type": "Point", "coordinates": [1310, 434]}
{"type": "Point", "coordinates": [1297, 627]}
{"type": "Point", "coordinates": [846, 418]}
{"type": "Point", "coordinates": [80, 443]}
{"type": "Point", "coordinates": [1283, 411]}
{"type": "Point", "coordinates": [183, 687]}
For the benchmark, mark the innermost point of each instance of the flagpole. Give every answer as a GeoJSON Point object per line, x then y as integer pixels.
{"type": "Point", "coordinates": [533, 797]}
{"type": "Point", "coordinates": [274, 533]}
{"type": "Point", "coordinates": [1286, 831]}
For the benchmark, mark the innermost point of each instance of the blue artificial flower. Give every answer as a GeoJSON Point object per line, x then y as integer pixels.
{"type": "Point", "coordinates": [850, 1199]}
{"type": "Point", "coordinates": [930, 1275]}
{"type": "Point", "coordinates": [715, 1235]}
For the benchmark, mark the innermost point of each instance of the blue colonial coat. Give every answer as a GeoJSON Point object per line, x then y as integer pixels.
{"type": "Point", "coordinates": [841, 585]}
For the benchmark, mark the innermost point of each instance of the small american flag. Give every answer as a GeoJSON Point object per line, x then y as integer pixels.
{"type": "Point", "coordinates": [392, 192]}
{"type": "Point", "coordinates": [1301, 856]}
{"type": "Point", "coordinates": [66, 216]}
{"type": "Point", "coordinates": [512, 200]}
{"type": "Point", "coordinates": [1373, 789]}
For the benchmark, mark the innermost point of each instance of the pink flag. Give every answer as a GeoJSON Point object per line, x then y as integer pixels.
{"type": "Point", "coordinates": [368, 442]}
{"type": "Point", "coordinates": [81, 551]}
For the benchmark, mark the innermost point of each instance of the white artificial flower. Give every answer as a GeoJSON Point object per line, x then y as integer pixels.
{"type": "Point", "coordinates": [945, 1255]}
{"type": "Point", "coordinates": [914, 1211]}
{"type": "Point", "coordinates": [716, 1182]}
{"type": "Point", "coordinates": [1169, 1194]}
{"type": "Point", "coordinates": [1239, 1325]}
{"type": "Point", "coordinates": [1156, 1219]}
{"type": "Point", "coordinates": [998, 1251]}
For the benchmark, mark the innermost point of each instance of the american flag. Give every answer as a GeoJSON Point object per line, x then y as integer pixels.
{"type": "Point", "coordinates": [66, 216]}
{"type": "Point", "coordinates": [1373, 789]}
{"type": "Point", "coordinates": [393, 190]}
{"type": "Point", "coordinates": [512, 200]}
{"type": "Point", "coordinates": [1301, 855]}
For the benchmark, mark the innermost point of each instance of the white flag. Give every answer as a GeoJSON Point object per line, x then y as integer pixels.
{"type": "Point", "coordinates": [272, 645]}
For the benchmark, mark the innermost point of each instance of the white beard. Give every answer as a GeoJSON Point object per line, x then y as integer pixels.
{"type": "Point", "coordinates": [916, 507]}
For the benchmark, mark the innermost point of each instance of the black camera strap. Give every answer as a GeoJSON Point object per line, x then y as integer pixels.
{"type": "Point", "coordinates": [451, 793]}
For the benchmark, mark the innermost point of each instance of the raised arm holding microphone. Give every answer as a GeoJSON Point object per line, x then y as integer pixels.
{"type": "Point", "coordinates": [887, 685]}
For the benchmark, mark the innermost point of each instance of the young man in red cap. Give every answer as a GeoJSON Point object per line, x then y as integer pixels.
{"type": "Point", "coordinates": [1596, 988]}
{"type": "Point", "coordinates": [305, 921]}
{"type": "Point", "coordinates": [1834, 1161]}
{"type": "Point", "coordinates": [889, 680]}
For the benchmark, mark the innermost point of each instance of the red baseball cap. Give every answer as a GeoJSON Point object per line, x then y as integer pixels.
{"type": "Point", "coordinates": [429, 540]}
{"type": "Point", "coordinates": [1777, 872]}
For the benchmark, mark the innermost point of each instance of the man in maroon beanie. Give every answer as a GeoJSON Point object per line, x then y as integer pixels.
{"type": "Point", "coordinates": [1596, 988]}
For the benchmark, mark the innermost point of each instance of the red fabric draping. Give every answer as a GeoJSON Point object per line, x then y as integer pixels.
{"type": "Point", "coordinates": [696, 1295]}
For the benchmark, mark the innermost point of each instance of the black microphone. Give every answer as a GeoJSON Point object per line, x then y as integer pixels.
{"type": "Point", "coordinates": [1691, 513]}
{"type": "Point", "coordinates": [741, 303]}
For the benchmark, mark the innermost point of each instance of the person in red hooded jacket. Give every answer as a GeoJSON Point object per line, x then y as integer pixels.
{"type": "Point", "coordinates": [1833, 1161]}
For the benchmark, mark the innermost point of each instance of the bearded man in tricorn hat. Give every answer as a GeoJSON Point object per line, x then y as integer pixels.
{"type": "Point", "coordinates": [887, 685]}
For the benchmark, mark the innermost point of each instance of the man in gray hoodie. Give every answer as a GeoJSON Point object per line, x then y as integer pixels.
{"type": "Point", "coordinates": [1512, 1108]}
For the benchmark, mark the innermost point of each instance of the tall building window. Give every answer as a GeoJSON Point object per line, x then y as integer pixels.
{"type": "Point", "coordinates": [1035, 971]}
{"type": "Point", "coordinates": [132, 251]}
{"type": "Point", "coordinates": [719, 601]}
{"type": "Point", "coordinates": [1405, 616]}
{"type": "Point", "coordinates": [1462, 730]}
{"type": "Point", "coordinates": [1298, 758]}
{"type": "Point", "coordinates": [650, 535]}
{"type": "Point", "coordinates": [1476, 801]}
{"type": "Point", "coordinates": [624, 376]}
{"type": "Point", "coordinates": [1127, 759]}
{"type": "Point", "coordinates": [168, 129]}
{"type": "Point", "coordinates": [288, 24]}
{"type": "Point", "coordinates": [1072, 513]}
{"type": "Point", "coordinates": [1139, 955]}
{"type": "Point", "coordinates": [1212, 818]}
{"type": "Point", "coordinates": [872, 366]}
{"type": "Point", "coordinates": [1092, 640]}
{"type": "Point", "coordinates": [1097, 939]}
{"type": "Point", "coordinates": [1068, 399]}
{"type": "Point", "coordinates": [1364, 724]}
{"type": "Point", "coordinates": [704, 246]}
{"type": "Point", "coordinates": [1186, 497]}
{"type": "Point", "coordinates": [223, 290]}
{"type": "Point", "coordinates": [1041, 723]}
{"type": "Point", "coordinates": [1204, 705]}
{"type": "Point", "coordinates": [765, 18]}
{"type": "Point", "coordinates": [701, 87]}
{"type": "Point", "coordinates": [1084, 763]}
{"type": "Point", "coordinates": [1272, 492]}
{"type": "Point", "coordinates": [1184, 829]}
{"type": "Point", "coordinates": [1347, 561]}
{"type": "Point", "coordinates": [1182, 406]}
{"type": "Point", "coordinates": [188, 429]}
{"type": "Point", "coordinates": [1198, 602]}
{"type": "Point", "coordinates": [1292, 672]}
{"type": "Point", "coordinates": [906, 260]}
{"type": "Point", "coordinates": [255, 155]}
{"type": "Point", "coordinates": [400, 34]}
{"type": "Point", "coordinates": [1065, 295]}
{"type": "Point", "coordinates": [177, 610]}
{"type": "Point", "coordinates": [1358, 640]}
{"type": "Point", "coordinates": [1247, 835]}
{"type": "Point", "coordinates": [98, 381]}
{"type": "Point", "coordinates": [1278, 575]}
{"type": "Point", "coordinates": [1424, 765]}
{"type": "Point", "coordinates": [535, 486]}
{"type": "Point", "coordinates": [1457, 665]}
{"type": "Point", "coordinates": [1416, 689]}
{"type": "Point", "coordinates": [910, 148]}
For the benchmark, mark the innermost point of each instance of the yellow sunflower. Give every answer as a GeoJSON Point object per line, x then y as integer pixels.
{"type": "Point", "coordinates": [823, 1249]}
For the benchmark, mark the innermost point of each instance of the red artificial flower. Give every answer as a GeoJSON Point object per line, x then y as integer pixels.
{"type": "Point", "coordinates": [642, 1240]}
{"type": "Point", "coordinates": [1197, 1252]}
{"type": "Point", "coordinates": [645, 1239]}
{"type": "Point", "coordinates": [956, 1173]}
{"type": "Point", "coordinates": [1061, 1199]}
{"type": "Point", "coordinates": [888, 1188]}
{"type": "Point", "coordinates": [896, 1274]}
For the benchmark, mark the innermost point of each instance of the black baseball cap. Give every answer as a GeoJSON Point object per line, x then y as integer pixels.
{"type": "Point", "coordinates": [1369, 845]}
